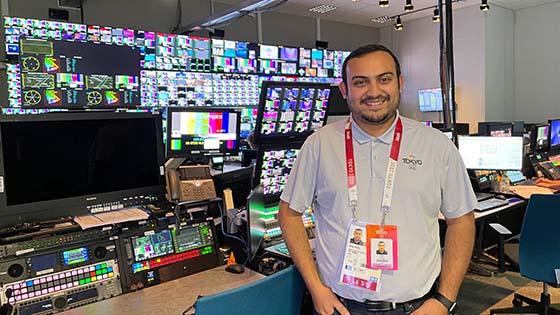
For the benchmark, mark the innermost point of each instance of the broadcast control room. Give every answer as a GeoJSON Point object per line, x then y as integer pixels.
{"type": "Point", "coordinates": [279, 157]}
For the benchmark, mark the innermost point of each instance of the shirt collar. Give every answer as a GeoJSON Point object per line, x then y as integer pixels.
{"type": "Point", "coordinates": [363, 137]}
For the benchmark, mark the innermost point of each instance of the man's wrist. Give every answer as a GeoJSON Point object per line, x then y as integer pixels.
{"type": "Point", "coordinates": [447, 303]}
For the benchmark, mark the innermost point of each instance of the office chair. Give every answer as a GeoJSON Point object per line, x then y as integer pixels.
{"type": "Point", "coordinates": [539, 253]}
{"type": "Point", "coordinates": [278, 294]}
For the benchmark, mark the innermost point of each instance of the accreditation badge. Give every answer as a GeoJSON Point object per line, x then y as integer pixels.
{"type": "Point", "coordinates": [382, 247]}
{"type": "Point", "coordinates": [353, 270]}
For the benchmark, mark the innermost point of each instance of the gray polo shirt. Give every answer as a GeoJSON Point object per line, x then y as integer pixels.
{"type": "Point", "coordinates": [431, 177]}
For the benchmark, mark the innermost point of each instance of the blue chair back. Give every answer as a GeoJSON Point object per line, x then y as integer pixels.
{"type": "Point", "coordinates": [539, 243]}
{"type": "Point", "coordinates": [278, 294]}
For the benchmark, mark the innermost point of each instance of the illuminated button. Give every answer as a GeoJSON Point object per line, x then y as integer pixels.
{"type": "Point", "coordinates": [44, 291]}
{"type": "Point", "coordinates": [57, 288]}
{"type": "Point", "coordinates": [82, 281]}
{"type": "Point", "coordinates": [111, 275]}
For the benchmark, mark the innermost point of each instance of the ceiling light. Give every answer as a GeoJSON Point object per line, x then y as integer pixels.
{"type": "Point", "coordinates": [323, 8]}
{"type": "Point", "coordinates": [398, 26]}
{"type": "Point", "coordinates": [383, 3]}
{"type": "Point", "coordinates": [484, 6]}
{"type": "Point", "coordinates": [436, 16]}
{"type": "Point", "coordinates": [355, 0]}
{"type": "Point", "coordinates": [408, 6]}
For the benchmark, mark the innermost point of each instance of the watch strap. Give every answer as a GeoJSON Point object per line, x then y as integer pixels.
{"type": "Point", "coordinates": [450, 305]}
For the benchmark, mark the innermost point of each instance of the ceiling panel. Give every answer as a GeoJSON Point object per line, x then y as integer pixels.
{"type": "Point", "coordinates": [363, 11]}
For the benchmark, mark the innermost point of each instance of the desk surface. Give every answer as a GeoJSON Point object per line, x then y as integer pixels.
{"type": "Point", "coordinates": [481, 214]}
{"type": "Point", "coordinates": [172, 297]}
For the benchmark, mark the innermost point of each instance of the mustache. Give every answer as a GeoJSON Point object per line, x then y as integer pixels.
{"type": "Point", "coordinates": [375, 99]}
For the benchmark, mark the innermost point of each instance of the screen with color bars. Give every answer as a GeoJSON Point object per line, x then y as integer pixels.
{"type": "Point", "coordinates": [197, 131]}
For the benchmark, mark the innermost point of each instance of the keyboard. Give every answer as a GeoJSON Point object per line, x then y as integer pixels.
{"type": "Point", "coordinates": [491, 204]}
{"type": "Point", "coordinates": [480, 196]}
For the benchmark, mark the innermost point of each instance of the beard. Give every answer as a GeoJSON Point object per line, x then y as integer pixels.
{"type": "Point", "coordinates": [372, 118]}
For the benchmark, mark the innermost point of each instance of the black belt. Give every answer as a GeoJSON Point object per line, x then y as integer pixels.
{"type": "Point", "coordinates": [383, 306]}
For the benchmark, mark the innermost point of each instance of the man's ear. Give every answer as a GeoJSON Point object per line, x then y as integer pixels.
{"type": "Point", "coordinates": [342, 88]}
{"type": "Point", "coordinates": [401, 83]}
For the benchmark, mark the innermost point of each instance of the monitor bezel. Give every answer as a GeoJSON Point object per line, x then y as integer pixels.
{"type": "Point", "coordinates": [270, 139]}
{"type": "Point", "coordinates": [78, 205]}
{"type": "Point", "coordinates": [258, 165]}
{"type": "Point", "coordinates": [552, 147]}
{"type": "Point", "coordinates": [171, 110]}
{"type": "Point", "coordinates": [491, 169]}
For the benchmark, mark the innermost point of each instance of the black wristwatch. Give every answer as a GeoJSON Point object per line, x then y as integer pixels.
{"type": "Point", "coordinates": [450, 305]}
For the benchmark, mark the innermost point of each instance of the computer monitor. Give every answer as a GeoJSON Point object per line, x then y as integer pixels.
{"type": "Point", "coordinates": [290, 110]}
{"type": "Point", "coordinates": [554, 134]}
{"type": "Point", "coordinates": [337, 103]}
{"type": "Point", "coordinates": [430, 100]}
{"type": "Point", "coordinates": [540, 137]}
{"type": "Point", "coordinates": [274, 164]}
{"type": "Point", "coordinates": [240, 181]}
{"type": "Point", "coordinates": [68, 164]}
{"type": "Point", "coordinates": [491, 153]}
{"type": "Point", "coordinates": [427, 123]}
{"type": "Point", "coordinates": [195, 132]}
{"type": "Point", "coordinates": [501, 129]}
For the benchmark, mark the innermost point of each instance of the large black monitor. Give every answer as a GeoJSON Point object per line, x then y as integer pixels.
{"type": "Point", "coordinates": [554, 134]}
{"type": "Point", "coordinates": [491, 153]}
{"type": "Point", "coordinates": [193, 132]}
{"type": "Point", "coordinates": [66, 164]}
{"type": "Point", "coordinates": [290, 110]}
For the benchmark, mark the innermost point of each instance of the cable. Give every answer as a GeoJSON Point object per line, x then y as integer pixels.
{"type": "Point", "coordinates": [245, 244]}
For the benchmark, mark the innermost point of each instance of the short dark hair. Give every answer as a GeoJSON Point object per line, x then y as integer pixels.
{"type": "Point", "coordinates": [368, 49]}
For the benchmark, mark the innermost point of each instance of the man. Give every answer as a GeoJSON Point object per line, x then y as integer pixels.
{"type": "Point", "coordinates": [357, 238]}
{"type": "Point", "coordinates": [430, 177]}
{"type": "Point", "coordinates": [548, 183]}
{"type": "Point", "coordinates": [381, 248]}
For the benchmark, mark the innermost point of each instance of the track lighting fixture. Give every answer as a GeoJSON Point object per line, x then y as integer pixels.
{"type": "Point", "coordinates": [383, 3]}
{"type": "Point", "coordinates": [408, 6]}
{"type": "Point", "coordinates": [484, 5]}
{"type": "Point", "coordinates": [436, 16]}
{"type": "Point", "coordinates": [398, 25]}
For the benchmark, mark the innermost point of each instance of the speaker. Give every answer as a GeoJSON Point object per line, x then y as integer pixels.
{"type": "Point", "coordinates": [321, 44]}
{"type": "Point", "coordinates": [59, 14]}
{"type": "Point", "coordinates": [217, 33]}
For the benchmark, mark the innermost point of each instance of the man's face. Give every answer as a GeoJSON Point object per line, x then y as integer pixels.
{"type": "Point", "coordinates": [373, 91]}
{"type": "Point", "coordinates": [357, 235]}
{"type": "Point", "coordinates": [381, 247]}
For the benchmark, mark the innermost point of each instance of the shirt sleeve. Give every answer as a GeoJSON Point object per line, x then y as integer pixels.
{"type": "Point", "coordinates": [458, 197]}
{"type": "Point", "coordinates": [299, 192]}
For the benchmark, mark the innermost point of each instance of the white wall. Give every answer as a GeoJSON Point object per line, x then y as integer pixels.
{"type": "Point", "coordinates": [537, 63]}
{"type": "Point", "coordinates": [418, 50]}
{"type": "Point", "coordinates": [499, 42]}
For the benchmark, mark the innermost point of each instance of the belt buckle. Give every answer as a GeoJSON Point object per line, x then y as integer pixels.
{"type": "Point", "coordinates": [392, 306]}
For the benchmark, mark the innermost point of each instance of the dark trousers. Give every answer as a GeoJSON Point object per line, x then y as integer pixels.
{"type": "Point", "coordinates": [359, 309]}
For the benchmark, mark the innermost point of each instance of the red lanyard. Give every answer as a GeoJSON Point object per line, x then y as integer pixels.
{"type": "Point", "coordinates": [389, 177]}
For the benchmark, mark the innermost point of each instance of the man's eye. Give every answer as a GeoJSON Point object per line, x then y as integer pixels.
{"type": "Point", "coordinates": [359, 83]}
{"type": "Point", "coordinates": [385, 79]}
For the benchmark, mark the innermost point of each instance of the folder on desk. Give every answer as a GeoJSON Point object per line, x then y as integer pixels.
{"type": "Point", "coordinates": [525, 191]}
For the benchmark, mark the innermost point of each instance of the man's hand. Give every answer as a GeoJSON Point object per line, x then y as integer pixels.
{"type": "Point", "coordinates": [431, 307]}
{"type": "Point", "coordinates": [325, 302]}
{"type": "Point", "coordinates": [545, 182]}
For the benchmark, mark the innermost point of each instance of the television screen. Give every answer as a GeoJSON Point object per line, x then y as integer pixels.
{"type": "Point", "coordinates": [291, 110]}
{"type": "Point", "coordinates": [491, 153]}
{"type": "Point", "coordinates": [430, 100]}
{"type": "Point", "coordinates": [555, 133]}
{"type": "Point", "coordinates": [268, 52]}
{"type": "Point", "coordinates": [102, 157]}
{"type": "Point", "coordinates": [199, 131]}
{"type": "Point", "coordinates": [288, 53]}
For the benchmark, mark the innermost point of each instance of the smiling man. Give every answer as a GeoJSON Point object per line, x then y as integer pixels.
{"type": "Point", "coordinates": [358, 174]}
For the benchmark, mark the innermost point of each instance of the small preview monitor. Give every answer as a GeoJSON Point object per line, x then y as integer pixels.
{"type": "Point", "coordinates": [268, 52]}
{"type": "Point", "coordinates": [202, 131]}
{"type": "Point", "coordinates": [430, 100]}
{"type": "Point", "coordinates": [290, 110]}
{"type": "Point", "coordinates": [554, 134]}
{"type": "Point", "coordinates": [492, 153]}
{"type": "Point", "coordinates": [274, 164]}
{"type": "Point", "coordinates": [539, 137]}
